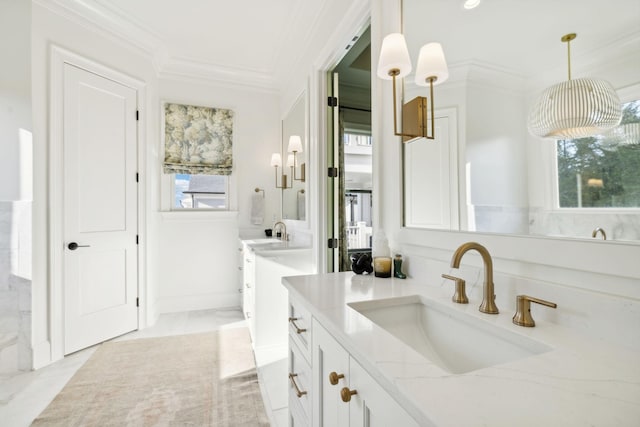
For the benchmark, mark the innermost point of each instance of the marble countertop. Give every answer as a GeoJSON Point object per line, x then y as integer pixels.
{"type": "Point", "coordinates": [581, 381]}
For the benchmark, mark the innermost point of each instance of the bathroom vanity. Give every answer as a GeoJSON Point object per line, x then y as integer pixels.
{"type": "Point", "coordinates": [264, 300]}
{"type": "Point", "coordinates": [365, 350]}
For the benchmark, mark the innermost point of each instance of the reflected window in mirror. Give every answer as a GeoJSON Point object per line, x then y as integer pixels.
{"type": "Point", "coordinates": [602, 171]}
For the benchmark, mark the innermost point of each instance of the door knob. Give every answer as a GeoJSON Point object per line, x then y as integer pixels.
{"type": "Point", "coordinates": [73, 246]}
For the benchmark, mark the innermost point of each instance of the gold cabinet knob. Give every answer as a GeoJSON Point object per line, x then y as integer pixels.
{"type": "Point", "coordinates": [346, 394]}
{"type": "Point", "coordinates": [523, 310]}
{"type": "Point", "coordinates": [334, 377]}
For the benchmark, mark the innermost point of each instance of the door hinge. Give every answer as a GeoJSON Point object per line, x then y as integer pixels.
{"type": "Point", "coordinates": [137, 302]}
{"type": "Point", "coordinates": [137, 115]}
{"type": "Point", "coordinates": [137, 239]}
{"type": "Point", "coordinates": [332, 172]}
{"type": "Point", "coordinates": [137, 177]}
{"type": "Point", "coordinates": [332, 101]}
{"type": "Point", "coordinates": [332, 243]}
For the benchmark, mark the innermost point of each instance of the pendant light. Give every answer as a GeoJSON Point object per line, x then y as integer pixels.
{"type": "Point", "coordinates": [575, 108]}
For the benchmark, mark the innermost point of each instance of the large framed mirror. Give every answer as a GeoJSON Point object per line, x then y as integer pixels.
{"type": "Point", "coordinates": [484, 171]}
{"type": "Point", "coordinates": [295, 152]}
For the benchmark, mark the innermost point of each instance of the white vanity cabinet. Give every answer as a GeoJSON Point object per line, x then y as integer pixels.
{"type": "Point", "coordinates": [343, 393]}
{"type": "Point", "coordinates": [248, 288]}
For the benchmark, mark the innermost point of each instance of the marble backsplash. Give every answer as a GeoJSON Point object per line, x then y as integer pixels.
{"type": "Point", "coordinates": [618, 225]}
{"type": "Point", "coordinates": [15, 286]}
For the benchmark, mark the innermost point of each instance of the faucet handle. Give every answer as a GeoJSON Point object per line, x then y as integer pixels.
{"type": "Point", "coordinates": [523, 310]}
{"type": "Point", "coordinates": [460, 295]}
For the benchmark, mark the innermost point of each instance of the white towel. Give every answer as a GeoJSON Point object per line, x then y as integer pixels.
{"type": "Point", "coordinates": [257, 208]}
{"type": "Point", "coordinates": [301, 206]}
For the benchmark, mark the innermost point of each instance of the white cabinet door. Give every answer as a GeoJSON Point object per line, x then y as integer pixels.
{"type": "Point", "coordinates": [371, 405]}
{"type": "Point", "coordinates": [329, 357]}
{"type": "Point", "coordinates": [248, 296]}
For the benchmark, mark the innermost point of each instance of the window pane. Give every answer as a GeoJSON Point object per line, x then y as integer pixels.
{"type": "Point", "coordinates": [602, 171]}
{"type": "Point", "coordinates": [200, 191]}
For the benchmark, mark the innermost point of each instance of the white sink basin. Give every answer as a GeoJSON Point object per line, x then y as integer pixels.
{"type": "Point", "coordinates": [453, 340]}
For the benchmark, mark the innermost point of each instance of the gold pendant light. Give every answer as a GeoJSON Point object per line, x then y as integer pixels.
{"type": "Point", "coordinates": [575, 108]}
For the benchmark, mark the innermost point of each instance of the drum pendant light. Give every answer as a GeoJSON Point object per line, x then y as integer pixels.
{"type": "Point", "coordinates": [575, 108]}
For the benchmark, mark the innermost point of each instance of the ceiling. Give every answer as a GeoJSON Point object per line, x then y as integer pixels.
{"type": "Point", "coordinates": [520, 36]}
{"type": "Point", "coordinates": [255, 42]}
{"type": "Point", "coordinates": [251, 41]}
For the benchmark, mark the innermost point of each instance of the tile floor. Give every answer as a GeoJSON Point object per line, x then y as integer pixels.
{"type": "Point", "coordinates": [24, 396]}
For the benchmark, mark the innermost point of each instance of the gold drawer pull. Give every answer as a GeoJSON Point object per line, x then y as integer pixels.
{"type": "Point", "coordinates": [334, 378]}
{"type": "Point", "coordinates": [346, 394]}
{"type": "Point", "coordinates": [293, 382]}
{"type": "Point", "coordinates": [292, 320]}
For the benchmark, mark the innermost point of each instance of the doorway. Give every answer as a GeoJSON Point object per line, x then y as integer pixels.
{"type": "Point", "coordinates": [351, 153]}
{"type": "Point", "coordinates": [94, 204]}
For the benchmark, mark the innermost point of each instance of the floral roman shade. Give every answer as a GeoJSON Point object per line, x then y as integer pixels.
{"type": "Point", "coordinates": [198, 140]}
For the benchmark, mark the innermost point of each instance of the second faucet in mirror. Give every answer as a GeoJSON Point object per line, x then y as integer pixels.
{"type": "Point", "coordinates": [488, 295]}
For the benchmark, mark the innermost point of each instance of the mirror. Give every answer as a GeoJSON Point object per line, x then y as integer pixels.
{"type": "Point", "coordinates": [485, 172]}
{"type": "Point", "coordinates": [294, 199]}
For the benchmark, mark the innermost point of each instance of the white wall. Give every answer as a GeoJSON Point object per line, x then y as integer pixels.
{"type": "Point", "coordinates": [15, 98]}
{"type": "Point", "coordinates": [196, 254]}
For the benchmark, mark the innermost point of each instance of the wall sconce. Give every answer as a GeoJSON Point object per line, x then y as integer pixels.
{"type": "Point", "coordinates": [276, 162]}
{"type": "Point", "coordinates": [431, 70]}
{"type": "Point", "coordinates": [295, 146]}
{"type": "Point", "coordinates": [575, 108]}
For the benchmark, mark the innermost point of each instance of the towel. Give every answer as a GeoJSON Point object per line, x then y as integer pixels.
{"type": "Point", "coordinates": [257, 209]}
{"type": "Point", "coordinates": [301, 206]}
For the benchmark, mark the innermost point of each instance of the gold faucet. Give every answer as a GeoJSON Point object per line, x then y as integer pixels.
{"type": "Point", "coordinates": [523, 310]}
{"type": "Point", "coordinates": [601, 230]}
{"type": "Point", "coordinates": [284, 235]}
{"type": "Point", "coordinates": [488, 296]}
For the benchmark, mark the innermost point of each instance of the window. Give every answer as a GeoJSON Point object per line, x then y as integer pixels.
{"type": "Point", "coordinates": [200, 191]}
{"type": "Point", "coordinates": [602, 171]}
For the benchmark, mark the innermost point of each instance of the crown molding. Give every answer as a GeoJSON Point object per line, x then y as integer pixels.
{"type": "Point", "coordinates": [103, 17]}
{"type": "Point", "coordinates": [190, 70]}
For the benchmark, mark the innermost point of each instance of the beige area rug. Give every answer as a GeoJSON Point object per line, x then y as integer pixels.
{"type": "Point", "coordinates": [187, 380]}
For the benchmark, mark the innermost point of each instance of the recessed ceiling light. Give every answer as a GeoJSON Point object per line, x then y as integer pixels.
{"type": "Point", "coordinates": [470, 4]}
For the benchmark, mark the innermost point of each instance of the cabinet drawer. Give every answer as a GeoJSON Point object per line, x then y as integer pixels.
{"type": "Point", "coordinates": [300, 328]}
{"type": "Point", "coordinates": [300, 384]}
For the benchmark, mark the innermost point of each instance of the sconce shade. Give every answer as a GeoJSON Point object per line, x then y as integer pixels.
{"type": "Point", "coordinates": [394, 55]}
{"type": "Point", "coordinates": [276, 160]}
{"type": "Point", "coordinates": [290, 161]}
{"type": "Point", "coordinates": [431, 63]}
{"type": "Point", "coordinates": [295, 144]}
{"type": "Point", "coordinates": [575, 109]}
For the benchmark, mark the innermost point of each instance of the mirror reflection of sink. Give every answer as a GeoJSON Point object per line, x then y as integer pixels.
{"type": "Point", "coordinates": [262, 241]}
{"type": "Point", "coordinates": [456, 342]}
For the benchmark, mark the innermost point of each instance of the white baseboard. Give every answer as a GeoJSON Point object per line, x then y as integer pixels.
{"type": "Point", "coordinates": [41, 355]}
{"type": "Point", "coordinates": [197, 302]}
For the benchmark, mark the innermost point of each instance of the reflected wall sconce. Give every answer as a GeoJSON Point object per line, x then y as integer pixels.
{"type": "Point", "coordinates": [276, 162]}
{"type": "Point", "coordinates": [431, 70]}
{"type": "Point", "coordinates": [575, 108]}
{"type": "Point", "coordinates": [295, 147]}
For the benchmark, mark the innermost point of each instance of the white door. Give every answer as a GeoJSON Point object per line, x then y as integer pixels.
{"type": "Point", "coordinates": [100, 209]}
{"type": "Point", "coordinates": [430, 179]}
